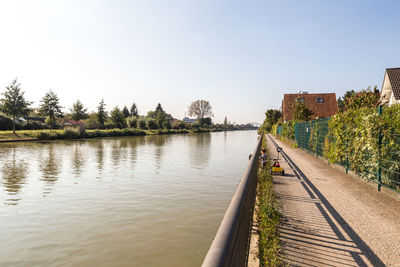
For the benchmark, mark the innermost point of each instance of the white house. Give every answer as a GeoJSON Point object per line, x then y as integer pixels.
{"type": "Point", "coordinates": [188, 120]}
{"type": "Point", "coordinates": [390, 93]}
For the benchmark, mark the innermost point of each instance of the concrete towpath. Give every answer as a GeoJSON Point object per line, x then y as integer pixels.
{"type": "Point", "coordinates": [330, 218]}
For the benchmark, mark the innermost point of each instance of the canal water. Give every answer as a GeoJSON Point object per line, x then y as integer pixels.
{"type": "Point", "coordinates": [129, 201]}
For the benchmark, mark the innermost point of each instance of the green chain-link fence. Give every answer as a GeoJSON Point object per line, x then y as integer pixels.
{"type": "Point", "coordinates": [279, 130]}
{"type": "Point", "coordinates": [310, 135]}
{"type": "Point", "coordinates": [373, 153]}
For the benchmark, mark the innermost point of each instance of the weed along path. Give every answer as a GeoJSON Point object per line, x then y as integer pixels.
{"type": "Point", "coordinates": [331, 219]}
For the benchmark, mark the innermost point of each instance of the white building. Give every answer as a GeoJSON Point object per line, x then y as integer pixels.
{"type": "Point", "coordinates": [390, 93]}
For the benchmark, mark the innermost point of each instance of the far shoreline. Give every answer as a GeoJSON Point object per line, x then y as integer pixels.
{"type": "Point", "coordinates": [58, 134]}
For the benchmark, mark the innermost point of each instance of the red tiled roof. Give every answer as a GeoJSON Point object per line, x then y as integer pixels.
{"type": "Point", "coordinates": [321, 110]}
{"type": "Point", "coordinates": [394, 78]}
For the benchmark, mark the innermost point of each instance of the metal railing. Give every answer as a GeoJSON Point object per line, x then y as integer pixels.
{"type": "Point", "coordinates": [231, 242]}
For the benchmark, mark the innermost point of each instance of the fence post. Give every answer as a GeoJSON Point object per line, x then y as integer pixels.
{"type": "Point", "coordinates": [380, 137]}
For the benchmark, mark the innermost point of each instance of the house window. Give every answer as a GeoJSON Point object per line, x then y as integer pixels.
{"type": "Point", "coordinates": [319, 100]}
{"type": "Point", "coordinates": [300, 99]}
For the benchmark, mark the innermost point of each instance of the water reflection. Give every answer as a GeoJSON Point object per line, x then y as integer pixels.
{"type": "Point", "coordinates": [50, 167]}
{"type": "Point", "coordinates": [116, 152]}
{"type": "Point", "coordinates": [133, 143]}
{"type": "Point", "coordinates": [99, 146]}
{"type": "Point", "coordinates": [199, 150]}
{"type": "Point", "coordinates": [77, 161]}
{"type": "Point", "coordinates": [13, 177]}
{"type": "Point", "coordinates": [159, 143]}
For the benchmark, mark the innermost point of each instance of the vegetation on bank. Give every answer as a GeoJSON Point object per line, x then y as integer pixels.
{"type": "Point", "coordinates": [78, 133]}
{"type": "Point", "coordinates": [268, 218]}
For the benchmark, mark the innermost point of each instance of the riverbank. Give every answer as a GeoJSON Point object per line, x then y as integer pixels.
{"type": "Point", "coordinates": [76, 133]}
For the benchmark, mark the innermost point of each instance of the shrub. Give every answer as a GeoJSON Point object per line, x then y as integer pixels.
{"type": "Point", "coordinates": [166, 125]}
{"type": "Point", "coordinates": [132, 122]}
{"type": "Point", "coordinates": [92, 122]}
{"type": "Point", "coordinates": [47, 135]}
{"type": "Point", "coordinates": [142, 123]}
{"type": "Point", "coordinates": [52, 122]}
{"type": "Point", "coordinates": [5, 123]}
{"type": "Point", "coordinates": [110, 125]}
{"type": "Point", "coordinates": [151, 123]}
{"type": "Point", "coordinates": [74, 133]}
{"type": "Point", "coordinates": [196, 125]}
{"type": "Point", "coordinates": [182, 125]}
{"type": "Point", "coordinates": [33, 125]}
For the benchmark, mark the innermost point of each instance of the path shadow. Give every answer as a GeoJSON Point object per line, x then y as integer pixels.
{"type": "Point", "coordinates": [334, 247]}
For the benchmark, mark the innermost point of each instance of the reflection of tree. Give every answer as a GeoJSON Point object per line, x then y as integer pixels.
{"type": "Point", "coordinates": [77, 161]}
{"type": "Point", "coordinates": [13, 177]}
{"type": "Point", "coordinates": [50, 167]}
{"type": "Point", "coordinates": [159, 143]}
{"type": "Point", "coordinates": [199, 146]}
{"type": "Point", "coordinates": [98, 146]}
{"type": "Point", "coordinates": [100, 155]}
{"type": "Point", "coordinates": [116, 152]}
{"type": "Point", "coordinates": [133, 143]}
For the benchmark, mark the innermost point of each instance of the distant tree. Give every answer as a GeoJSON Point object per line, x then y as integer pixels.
{"type": "Point", "coordinates": [200, 109]}
{"type": "Point", "coordinates": [166, 125]}
{"type": "Point", "coordinates": [365, 98]}
{"type": "Point", "coordinates": [206, 122]}
{"type": "Point", "coordinates": [14, 104]}
{"type": "Point", "coordinates": [92, 122]}
{"type": "Point", "coordinates": [78, 112]}
{"type": "Point", "coordinates": [151, 123]}
{"type": "Point", "coordinates": [50, 108]}
{"type": "Point", "coordinates": [132, 122]}
{"type": "Point", "coordinates": [134, 110]}
{"type": "Point", "coordinates": [301, 112]}
{"type": "Point", "coordinates": [273, 115]}
{"type": "Point", "coordinates": [126, 112]}
{"type": "Point", "coordinates": [101, 113]}
{"type": "Point", "coordinates": [226, 121]}
{"type": "Point", "coordinates": [51, 121]}
{"type": "Point", "coordinates": [196, 125]}
{"type": "Point", "coordinates": [118, 118]}
{"type": "Point", "coordinates": [160, 116]}
{"type": "Point", "coordinates": [142, 123]}
{"type": "Point", "coordinates": [342, 100]}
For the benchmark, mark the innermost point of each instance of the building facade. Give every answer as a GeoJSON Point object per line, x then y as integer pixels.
{"type": "Point", "coordinates": [322, 105]}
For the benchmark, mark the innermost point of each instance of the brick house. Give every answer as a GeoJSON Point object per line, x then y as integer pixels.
{"type": "Point", "coordinates": [322, 105]}
{"type": "Point", "coordinates": [390, 93]}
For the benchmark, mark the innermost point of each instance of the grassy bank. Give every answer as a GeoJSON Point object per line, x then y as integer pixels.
{"type": "Point", "coordinates": [268, 219]}
{"type": "Point", "coordinates": [77, 133]}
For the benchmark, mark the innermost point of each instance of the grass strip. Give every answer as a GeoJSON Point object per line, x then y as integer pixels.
{"type": "Point", "coordinates": [268, 218]}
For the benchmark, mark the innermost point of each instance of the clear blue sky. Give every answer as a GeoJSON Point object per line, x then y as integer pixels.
{"type": "Point", "coordinates": [242, 56]}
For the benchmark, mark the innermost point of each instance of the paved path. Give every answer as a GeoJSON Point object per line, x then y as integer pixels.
{"type": "Point", "coordinates": [332, 219]}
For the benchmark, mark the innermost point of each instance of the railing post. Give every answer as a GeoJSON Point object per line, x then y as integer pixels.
{"type": "Point", "coordinates": [380, 137]}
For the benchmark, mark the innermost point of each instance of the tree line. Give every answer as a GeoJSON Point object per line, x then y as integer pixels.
{"type": "Point", "coordinates": [50, 115]}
